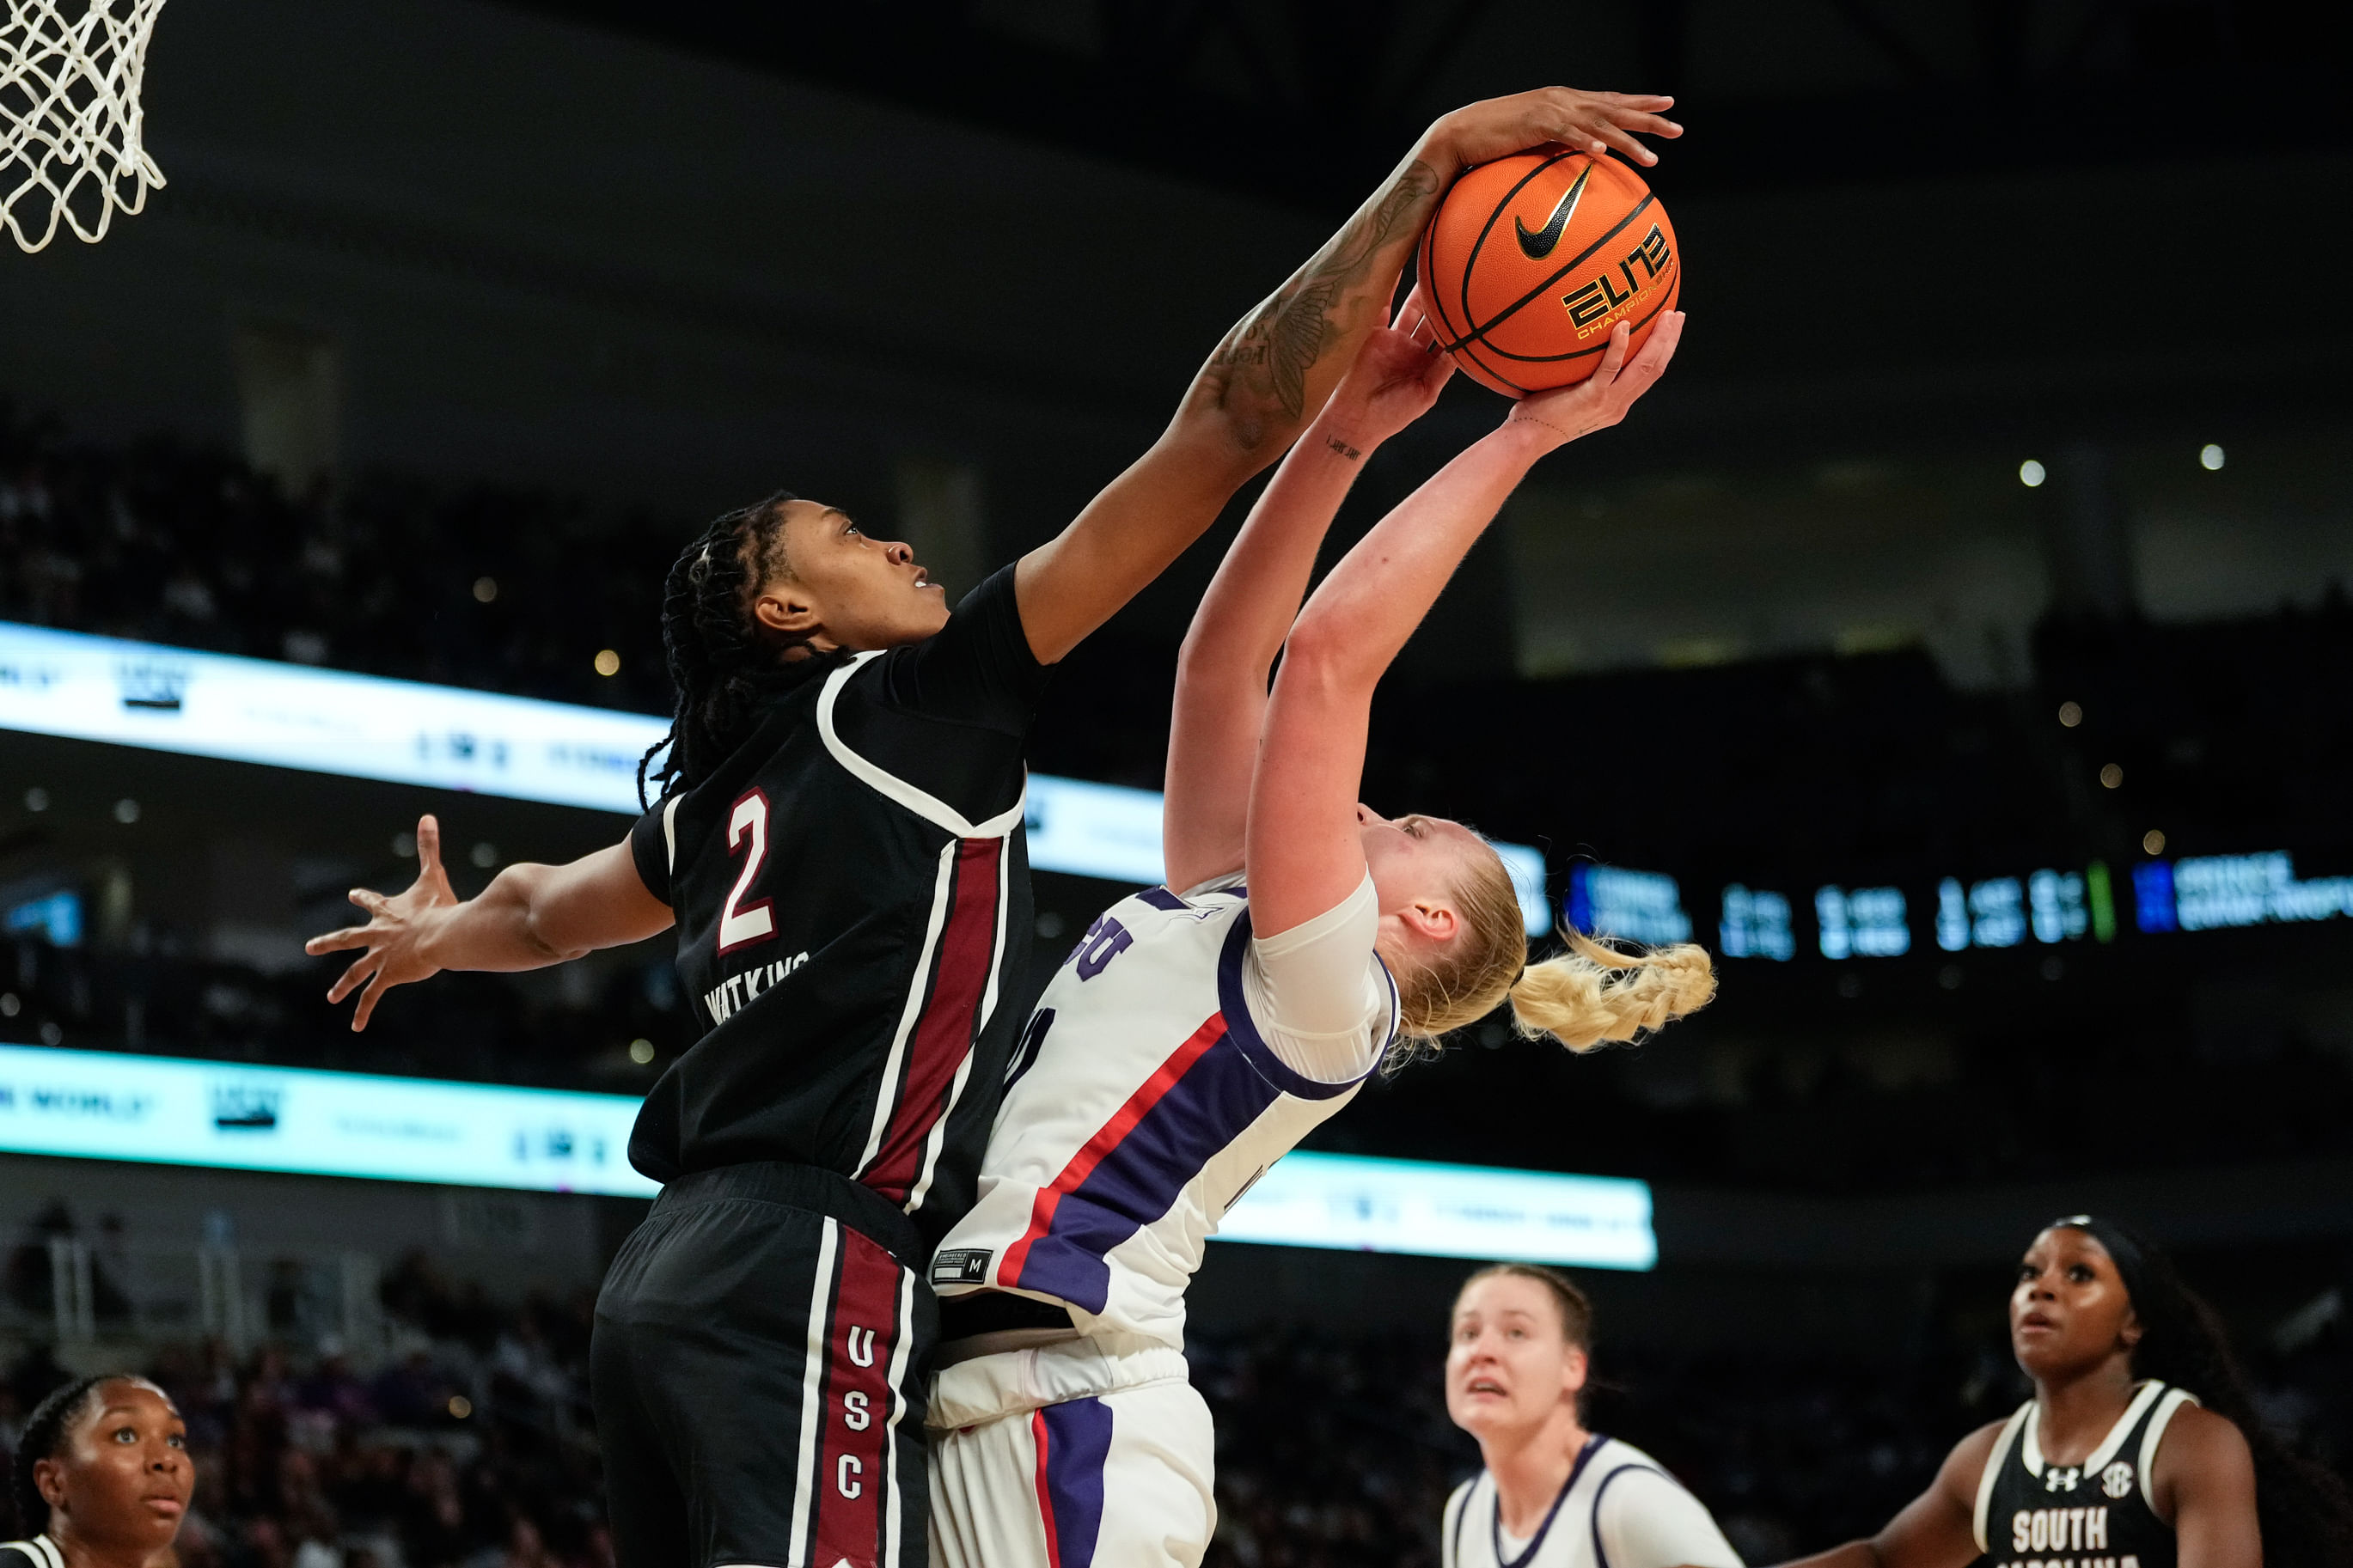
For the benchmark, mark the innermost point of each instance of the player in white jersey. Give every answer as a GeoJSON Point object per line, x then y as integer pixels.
{"type": "Point", "coordinates": [1193, 1038]}
{"type": "Point", "coordinates": [1553, 1495]}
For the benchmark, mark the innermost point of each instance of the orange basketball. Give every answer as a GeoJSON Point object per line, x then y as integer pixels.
{"type": "Point", "coordinates": [1533, 258]}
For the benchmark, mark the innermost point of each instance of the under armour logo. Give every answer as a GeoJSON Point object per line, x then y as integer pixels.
{"type": "Point", "coordinates": [2061, 1478]}
{"type": "Point", "coordinates": [2116, 1480]}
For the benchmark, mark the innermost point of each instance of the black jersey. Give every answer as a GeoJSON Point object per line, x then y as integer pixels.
{"type": "Point", "coordinates": [852, 894]}
{"type": "Point", "coordinates": [2034, 1514]}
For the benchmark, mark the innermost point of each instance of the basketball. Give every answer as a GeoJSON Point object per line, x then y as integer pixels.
{"type": "Point", "coordinates": [1533, 258]}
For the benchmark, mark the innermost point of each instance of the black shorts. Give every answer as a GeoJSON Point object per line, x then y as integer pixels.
{"type": "Point", "coordinates": [759, 1351]}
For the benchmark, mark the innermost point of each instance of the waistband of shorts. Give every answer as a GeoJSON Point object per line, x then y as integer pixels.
{"type": "Point", "coordinates": [810, 1187]}
{"type": "Point", "coordinates": [1013, 1382]}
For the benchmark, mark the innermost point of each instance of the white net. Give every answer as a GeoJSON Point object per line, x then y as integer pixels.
{"type": "Point", "coordinates": [69, 116]}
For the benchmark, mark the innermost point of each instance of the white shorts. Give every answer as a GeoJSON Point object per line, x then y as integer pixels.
{"type": "Point", "coordinates": [1028, 1446]}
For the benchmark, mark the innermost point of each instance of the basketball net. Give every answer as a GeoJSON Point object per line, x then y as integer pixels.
{"type": "Point", "coordinates": [69, 116]}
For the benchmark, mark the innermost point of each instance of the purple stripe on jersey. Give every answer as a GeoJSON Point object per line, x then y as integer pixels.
{"type": "Point", "coordinates": [1137, 1182]}
{"type": "Point", "coordinates": [1244, 1033]}
{"type": "Point", "coordinates": [1162, 899]}
{"type": "Point", "coordinates": [1078, 1445]}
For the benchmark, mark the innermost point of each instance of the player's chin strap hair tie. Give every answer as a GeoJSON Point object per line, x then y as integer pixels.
{"type": "Point", "coordinates": [2132, 1263]}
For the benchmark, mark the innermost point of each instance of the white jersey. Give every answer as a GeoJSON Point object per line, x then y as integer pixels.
{"type": "Point", "coordinates": [1618, 1509]}
{"type": "Point", "coordinates": [1141, 1102]}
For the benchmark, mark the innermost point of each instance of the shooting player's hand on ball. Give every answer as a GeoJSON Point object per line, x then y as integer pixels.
{"type": "Point", "coordinates": [1556, 417]}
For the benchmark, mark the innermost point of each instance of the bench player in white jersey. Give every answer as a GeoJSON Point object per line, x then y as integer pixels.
{"type": "Point", "coordinates": [1552, 1494]}
{"type": "Point", "coordinates": [1193, 1038]}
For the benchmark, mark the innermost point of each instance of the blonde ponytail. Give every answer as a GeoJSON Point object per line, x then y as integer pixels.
{"type": "Point", "coordinates": [1594, 992]}
{"type": "Point", "coordinates": [1591, 994]}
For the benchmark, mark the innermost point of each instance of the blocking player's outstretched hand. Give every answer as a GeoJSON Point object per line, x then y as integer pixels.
{"type": "Point", "coordinates": [529, 916]}
{"type": "Point", "coordinates": [1594, 122]}
{"type": "Point", "coordinates": [393, 936]}
{"type": "Point", "coordinates": [1600, 400]}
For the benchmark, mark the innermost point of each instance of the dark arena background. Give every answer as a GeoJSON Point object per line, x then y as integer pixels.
{"type": "Point", "coordinates": [1958, 644]}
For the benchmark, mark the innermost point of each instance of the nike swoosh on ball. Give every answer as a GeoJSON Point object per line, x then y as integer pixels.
{"type": "Point", "coordinates": [1538, 246]}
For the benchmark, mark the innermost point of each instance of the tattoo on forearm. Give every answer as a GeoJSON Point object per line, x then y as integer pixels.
{"type": "Point", "coordinates": [1351, 453]}
{"type": "Point", "coordinates": [1270, 357]}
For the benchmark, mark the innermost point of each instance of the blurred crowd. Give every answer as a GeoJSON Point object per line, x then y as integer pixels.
{"type": "Point", "coordinates": [508, 590]}
{"type": "Point", "coordinates": [155, 997]}
{"type": "Point", "coordinates": [471, 1444]}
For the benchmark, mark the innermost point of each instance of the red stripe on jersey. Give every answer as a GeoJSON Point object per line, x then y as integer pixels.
{"type": "Point", "coordinates": [1122, 1121]}
{"type": "Point", "coordinates": [943, 1035]}
{"type": "Point", "coordinates": [854, 1423]}
{"type": "Point", "coordinates": [1045, 1491]}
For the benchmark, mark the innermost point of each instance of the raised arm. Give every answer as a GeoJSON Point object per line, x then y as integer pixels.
{"type": "Point", "coordinates": [1280, 363]}
{"type": "Point", "coordinates": [528, 917]}
{"type": "Point", "coordinates": [1304, 853]}
{"type": "Point", "coordinates": [1221, 671]}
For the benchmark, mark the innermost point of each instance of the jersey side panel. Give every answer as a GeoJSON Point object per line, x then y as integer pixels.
{"type": "Point", "coordinates": [1145, 1110]}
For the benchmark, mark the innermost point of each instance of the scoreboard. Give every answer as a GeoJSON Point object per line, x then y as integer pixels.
{"type": "Point", "coordinates": [2048, 907]}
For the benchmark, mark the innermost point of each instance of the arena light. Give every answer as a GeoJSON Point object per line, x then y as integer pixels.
{"type": "Point", "coordinates": [169, 1110]}
{"type": "Point", "coordinates": [404, 731]}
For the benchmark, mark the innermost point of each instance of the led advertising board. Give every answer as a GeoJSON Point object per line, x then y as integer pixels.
{"type": "Point", "coordinates": [171, 1110]}
{"type": "Point", "coordinates": [1352, 1203]}
{"type": "Point", "coordinates": [175, 1111]}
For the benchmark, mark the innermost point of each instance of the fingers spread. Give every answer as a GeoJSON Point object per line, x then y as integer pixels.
{"type": "Point", "coordinates": [351, 978]}
{"type": "Point", "coordinates": [1627, 145]}
{"type": "Point", "coordinates": [1648, 124]}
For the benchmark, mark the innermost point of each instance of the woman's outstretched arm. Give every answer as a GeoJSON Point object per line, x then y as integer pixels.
{"type": "Point", "coordinates": [1221, 672]}
{"type": "Point", "coordinates": [528, 917]}
{"type": "Point", "coordinates": [1276, 365]}
{"type": "Point", "coordinates": [1304, 853]}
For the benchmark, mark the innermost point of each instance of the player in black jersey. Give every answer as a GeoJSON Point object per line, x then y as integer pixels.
{"type": "Point", "coordinates": [2141, 1448]}
{"type": "Point", "coordinates": [102, 1477]}
{"type": "Point", "coordinates": [839, 843]}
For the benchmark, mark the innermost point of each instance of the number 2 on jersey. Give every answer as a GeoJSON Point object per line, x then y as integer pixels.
{"type": "Point", "coordinates": [740, 922]}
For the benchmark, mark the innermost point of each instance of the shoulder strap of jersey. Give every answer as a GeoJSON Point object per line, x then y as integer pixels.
{"type": "Point", "coordinates": [669, 833]}
{"type": "Point", "coordinates": [2158, 1419]}
{"type": "Point", "coordinates": [2144, 1400]}
{"type": "Point", "coordinates": [1627, 1464]}
{"type": "Point", "coordinates": [1999, 1456]}
{"type": "Point", "coordinates": [928, 807]}
{"type": "Point", "coordinates": [40, 1549]}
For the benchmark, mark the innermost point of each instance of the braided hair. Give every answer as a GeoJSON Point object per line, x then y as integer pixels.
{"type": "Point", "coordinates": [723, 662]}
{"type": "Point", "coordinates": [2305, 1512]}
{"type": "Point", "coordinates": [45, 1434]}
